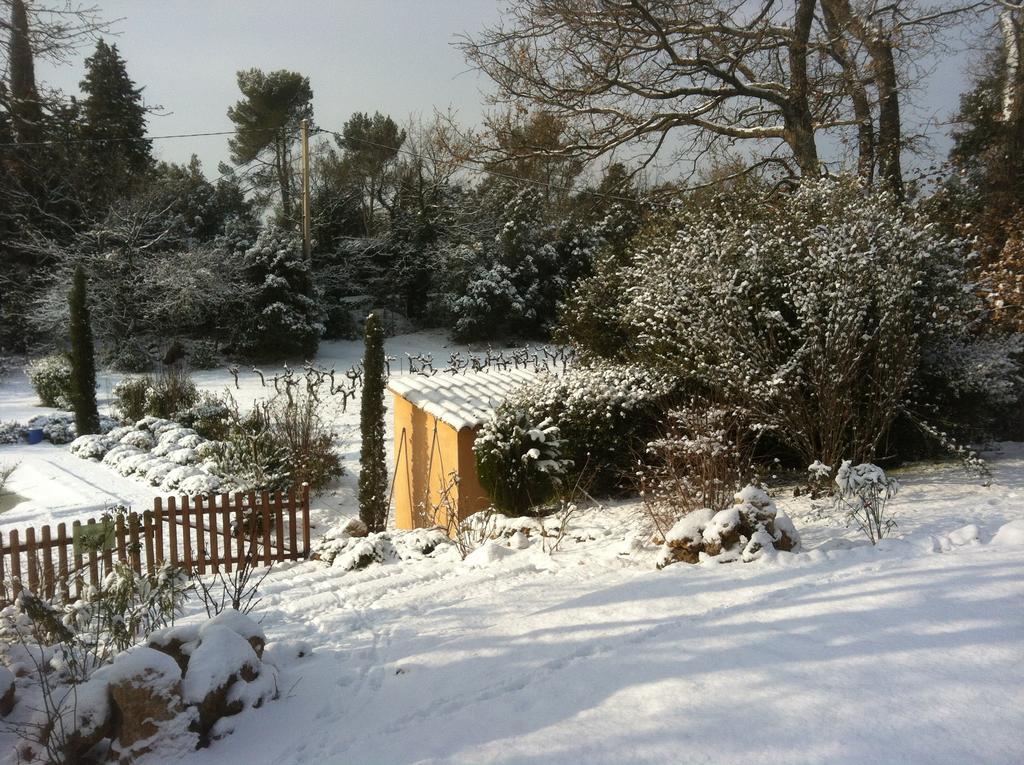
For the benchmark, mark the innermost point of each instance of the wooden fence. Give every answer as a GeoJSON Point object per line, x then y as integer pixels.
{"type": "Point", "coordinates": [201, 534]}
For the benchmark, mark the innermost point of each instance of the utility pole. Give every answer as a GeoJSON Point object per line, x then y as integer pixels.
{"type": "Point", "coordinates": [306, 249]}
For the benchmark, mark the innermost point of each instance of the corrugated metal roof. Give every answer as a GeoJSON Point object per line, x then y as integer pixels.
{"type": "Point", "coordinates": [461, 400]}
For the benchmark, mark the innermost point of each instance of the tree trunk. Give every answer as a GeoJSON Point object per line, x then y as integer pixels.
{"type": "Point", "coordinates": [798, 121]}
{"type": "Point", "coordinates": [878, 44]}
{"type": "Point", "coordinates": [840, 50]}
{"type": "Point", "coordinates": [1013, 95]}
{"type": "Point", "coordinates": [25, 109]}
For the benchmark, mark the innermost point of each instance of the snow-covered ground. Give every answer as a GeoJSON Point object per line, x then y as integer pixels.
{"type": "Point", "coordinates": [909, 652]}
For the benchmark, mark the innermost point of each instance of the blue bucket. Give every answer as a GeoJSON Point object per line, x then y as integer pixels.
{"type": "Point", "coordinates": [35, 435]}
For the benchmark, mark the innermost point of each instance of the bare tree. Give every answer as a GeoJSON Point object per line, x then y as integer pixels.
{"type": "Point", "coordinates": [766, 75]}
{"type": "Point", "coordinates": [632, 73]}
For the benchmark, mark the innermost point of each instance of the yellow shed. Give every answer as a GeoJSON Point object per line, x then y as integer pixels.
{"type": "Point", "coordinates": [436, 421]}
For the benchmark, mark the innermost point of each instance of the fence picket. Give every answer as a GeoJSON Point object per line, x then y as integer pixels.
{"type": "Point", "coordinates": [148, 533]}
{"type": "Point", "coordinates": [265, 521]}
{"type": "Point", "coordinates": [76, 558]}
{"type": "Point", "coordinates": [47, 562]}
{"type": "Point", "coordinates": [292, 531]}
{"type": "Point", "coordinates": [33, 562]}
{"type": "Point", "coordinates": [63, 583]}
{"type": "Point", "coordinates": [214, 559]}
{"type": "Point", "coordinates": [279, 527]}
{"type": "Point", "coordinates": [134, 546]}
{"type": "Point", "coordinates": [15, 564]}
{"type": "Point", "coordinates": [172, 529]}
{"type": "Point", "coordinates": [201, 551]}
{"type": "Point", "coordinates": [305, 520]}
{"type": "Point", "coordinates": [225, 524]}
{"type": "Point", "coordinates": [3, 576]}
{"type": "Point", "coordinates": [186, 533]}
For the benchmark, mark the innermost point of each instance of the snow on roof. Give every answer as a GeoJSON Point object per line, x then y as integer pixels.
{"type": "Point", "coordinates": [461, 400]}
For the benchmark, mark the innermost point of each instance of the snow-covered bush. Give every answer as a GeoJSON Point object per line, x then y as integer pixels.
{"type": "Point", "coordinates": [204, 355]}
{"type": "Point", "coordinates": [286, 319]}
{"type": "Point", "coordinates": [518, 279]}
{"type": "Point", "coordinates": [751, 529]}
{"type": "Point", "coordinates": [821, 312]}
{"type": "Point", "coordinates": [704, 455]}
{"type": "Point", "coordinates": [6, 471]}
{"type": "Point", "coordinates": [162, 395]}
{"type": "Point", "coordinates": [51, 378]}
{"type": "Point", "coordinates": [12, 432]}
{"type": "Point", "coordinates": [519, 460]}
{"type": "Point", "coordinates": [605, 414]}
{"type": "Point", "coordinates": [130, 397]}
{"type": "Point", "coordinates": [863, 496]}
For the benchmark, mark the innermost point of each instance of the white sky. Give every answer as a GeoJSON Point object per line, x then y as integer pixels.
{"type": "Point", "coordinates": [395, 56]}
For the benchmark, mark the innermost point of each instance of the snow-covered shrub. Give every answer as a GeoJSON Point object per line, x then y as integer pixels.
{"type": "Point", "coordinates": [704, 455]}
{"type": "Point", "coordinates": [605, 414]}
{"type": "Point", "coordinates": [204, 355]}
{"type": "Point", "coordinates": [140, 439]}
{"type": "Point", "coordinates": [340, 549]}
{"type": "Point", "coordinates": [59, 428]}
{"type": "Point", "coordinates": [12, 433]}
{"type": "Point", "coordinates": [253, 456]}
{"type": "Point", "coordinates": [130, 395]}
{"type": "Point", "coordinates": [280, 443]}
{"type": "Point", "coordinates": [519, 460]}
{"type": "Point", "coordinates": [821, 312]}
{"type": "Point", "coordinates": [286, 318]}
{"type": "Point", "coordinates": [129, 355]}
{"type": "Point", "coordinates": [119, 454]}
{"type": "Point", "coordinates": [6, 471]}
{"type": "Point", "coordinates": [750, 529]}
{"type": "Point", "coordinates": [209, 416]}
{"type": "Point", "coordinates": [162, 395]}
{"type": "Point", "coordinates": [517, 282]}
{"type": "Point", "coordinates": [51, 378]}
{"type": "Point", "coordinates": [863, 496]}
{"type": "Point", "coordinates": [90, 447]}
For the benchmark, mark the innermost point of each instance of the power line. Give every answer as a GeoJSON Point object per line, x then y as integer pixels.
{"type": "Point", "coordinates": [126, 139]}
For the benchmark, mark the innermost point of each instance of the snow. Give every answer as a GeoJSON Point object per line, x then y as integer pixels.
{"type": "Point", "coordinates": [843, 653]}
{"type": "Point", "coordinates": [462, 400]}
{"type": "Point", "coordinates": [220, 654]}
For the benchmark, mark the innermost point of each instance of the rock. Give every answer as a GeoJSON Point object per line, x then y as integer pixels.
{"type": "Point", "coordinates": [223, 656]}
{"type": "Point", "coordinates": [176, 642]}
{"type": "Point", "coordinates": [750, 529]}
{"type": "Point", "coordinates": [241, 625]}
{"type": "Point", "coordinates": [6, 691]}
{"type": "Point", "coordinates": [356, 528]}
{"type": "Point", "coordinates": [145, 698]}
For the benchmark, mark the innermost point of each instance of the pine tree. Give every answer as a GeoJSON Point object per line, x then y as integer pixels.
{"type": "Point", "coordinates": [114, 121]}
{"type": "Point", "coordinates": [83, 362]}
{"type": "Point", "coordinates": [267, 121]}
{"type": "Point", "coordinates": [24, 98]}
{"type": "Point", "coordinates": [373, 470]}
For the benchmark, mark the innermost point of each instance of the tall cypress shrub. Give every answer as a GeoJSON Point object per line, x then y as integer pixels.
{"type": "Point", "coordinates": [373, 469]}
{"type": "Point", "coordinates": [83, 361]}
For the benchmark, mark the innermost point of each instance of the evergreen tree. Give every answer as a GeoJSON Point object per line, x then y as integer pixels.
{"type": "Point", "coordinates": [287, 320]}
{"type": "Point", "coordinates": [267, 121]}
{"type": "Point", "coordinates": [24, 98]}
{"type": "Point", "coordinates": [373, 469]}
{"type": "Point", "coordinates": [83, 362]}
{"type": "Point", "coordinates": [114, 122]}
